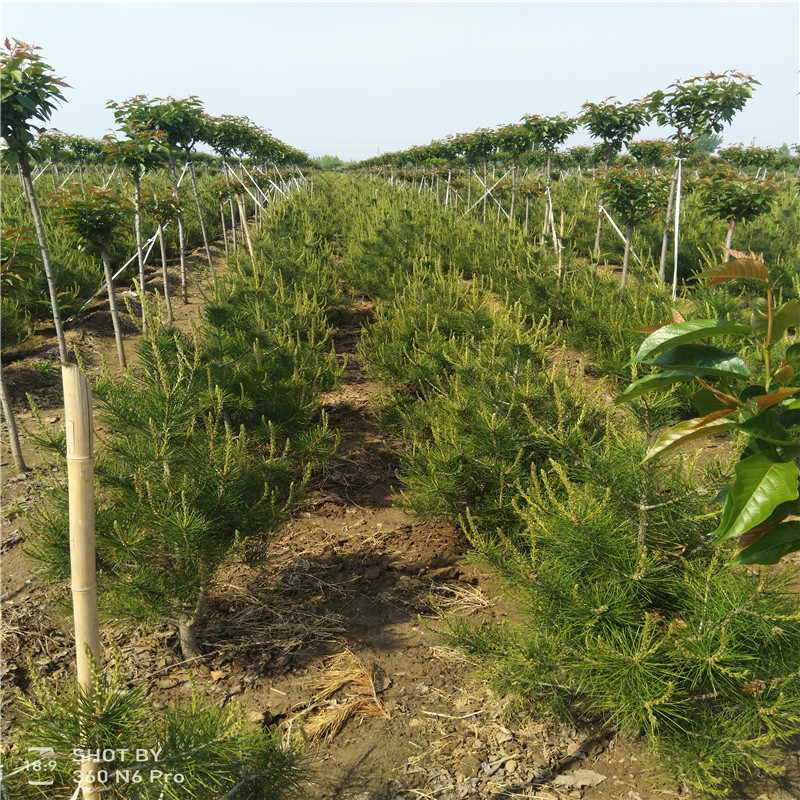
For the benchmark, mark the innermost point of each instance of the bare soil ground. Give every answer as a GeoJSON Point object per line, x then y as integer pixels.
{"type": "Point", "coordinates": [354, 578]}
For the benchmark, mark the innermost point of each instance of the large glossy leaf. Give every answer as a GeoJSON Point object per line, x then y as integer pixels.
{"type": "Point", "coordinates": [684, 432]}
{"type": "Point", "coordinates": [683, 332]}
{"type": "Point", "coordinates": [771, 546]}
{"type": "Point", "coordinates": [738, 268]}
{"type": "Point", "coordinates": [702, 359]}
{"type": "Point", "coordinates": [762, 483]}
{"type": "Point", "coordinates": [765, 426]}
{"type": "Point", "coordinates": [650, 382]}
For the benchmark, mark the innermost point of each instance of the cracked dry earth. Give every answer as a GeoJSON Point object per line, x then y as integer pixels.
{"type": "Point", "coordinates": [337, 633]}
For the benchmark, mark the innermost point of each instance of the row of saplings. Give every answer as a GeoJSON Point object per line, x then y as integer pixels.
{"type": "Point", "coordinates": [208, 441]}
{"type": "Point", "coordinates": [632, 613]}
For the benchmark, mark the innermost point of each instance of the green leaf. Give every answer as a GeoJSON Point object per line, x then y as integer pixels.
{"type": "Point", "coordinates": [787, 316]}
{"type": "Point", "coordinates": [683, 332]}
{"type": "Point", "coordinates": [738, 268]}
{"type": "Point", "coordinates": [771, 546]}
{"type": "Point", "coordinates": [706, 402]}
{"type": "Point", "coordinates": [10, 157]}
{"type": "Point", "coordinates": [762, 482]}
{"type": "Point", "coordinates": [765, 426]}
{"type": "Point", "coordinates": [684, 432]}
{"type": "Point", "coordinates": [793, 351]}
{"type": "Point", "coordinates": [651, 382]}
{"type": "Point", "coordinates": [702, 359]}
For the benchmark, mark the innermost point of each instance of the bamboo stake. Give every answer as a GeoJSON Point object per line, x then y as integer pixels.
{"type": "Point", "coordinates": [80, 477]}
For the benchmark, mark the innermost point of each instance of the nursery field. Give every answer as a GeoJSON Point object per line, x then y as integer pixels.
{"type": "Point", "coordinates": [464, 581]}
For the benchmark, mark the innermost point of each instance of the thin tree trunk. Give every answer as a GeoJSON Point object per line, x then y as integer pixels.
{"type": "Point", "coordinates": [245, 227]}
{"type": "Point", "coordinates": [112, 304]}
{"type": "Point", "coordinates": [513, 194]}
{"type": "Point", "coordinates": [27, 182]}
{"type": "Point", "coordinates": [600, 215]}
{"type": "Point", "coordinates": [187, 626]}
{"type": "Point", "coordinates": [626, 258]}
{"type": "Point", "coordinates": [548, 201]}
{"type": "Point", "coordinates": [199, 211]}
{"type": "Point", "coordinates": [729, 239]}
{"type": "Point", "coordinates": [224, 229]}
{"type": "Point", "coordinates": [662, 269]}
{"type": "Point", "coordinates": [181, 244]}
{"type": "Point", "coordinates": [11, 426]}
{"type": "Point", "coordinates": [165, 273]}
{"type": "Point", "coordinates": [527, 213]}
{"type": "Point", "coordinates": [137, 226]}
{"type": "Point", "coordinates": [233, 225]}
{"type": "Point", "coordinates": [485, 187]}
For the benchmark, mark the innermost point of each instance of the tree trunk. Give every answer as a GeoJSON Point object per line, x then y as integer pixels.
{"type": "Point", "coordinates": [165, 273]}
{"type": "Point", "coordinates": [187, 625]}
{"type": "Point", "coordinates": [677, 230]}
{"type": "Point", "coordinates": [600, 215]}
{"type": "Point", "coordinates": [27, 182]}
{"type": "Point", "coordinates": [245, 227]}
{"type": "Point", "coordinates": [485, 187]}
{"type": "Point", "coordinates": [662, 269]}
{"type": "Point", "coordinates": [199, 211]}
{"type": "Point", "coordinates": [233, 225]}
{"type": "Point", "coordinates": [513, 195]}
{"type": "Point", "coordinates": [224, 229]}
{"type": "Point", "coordinates": [181, 245]}
{"type": "Point", "coordinates": [548, 201]}
{"type": "Point", "coordinates": [729, 239]}
{"type": "Point", "coordinates": [626, 258]}
{"type": "Point", "coordinates": [527, 213]}
{"type": "Point", "coordinates": [112, 304]}
{"type": "Point", "coordinates": [11, 426]}
{"type": "Point", "coordinates": [137, 226]}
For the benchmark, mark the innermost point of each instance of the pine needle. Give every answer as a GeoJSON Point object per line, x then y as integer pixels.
{"type": "Point", "coordinates": [340, 671]}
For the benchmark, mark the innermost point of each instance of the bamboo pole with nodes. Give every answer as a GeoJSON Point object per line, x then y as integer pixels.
{"type": "Point", "coordinates": [80, 478]}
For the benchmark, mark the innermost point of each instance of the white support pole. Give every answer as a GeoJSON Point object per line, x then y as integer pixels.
{"type": "Point", "coordinates": [108, 180]}
{"type": "Point", "coordinates": [68, 177]}
{"type": "Point", "coordinates": [487, 192]}
{"type": "Point", "coordinates": [244, 186]}
{"type": "Point", "coordinates": [621, 234]}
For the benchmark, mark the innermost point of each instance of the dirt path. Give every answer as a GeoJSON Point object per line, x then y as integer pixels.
{"type": "Point", "coordinates": [352, 577]}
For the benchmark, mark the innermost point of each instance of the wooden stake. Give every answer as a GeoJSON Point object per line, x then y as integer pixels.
{"type": "Point", "coordinates": [80, 477]}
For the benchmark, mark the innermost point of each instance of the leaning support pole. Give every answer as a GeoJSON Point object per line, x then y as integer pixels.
{"type": "Point", "coordinates": [80, 477]}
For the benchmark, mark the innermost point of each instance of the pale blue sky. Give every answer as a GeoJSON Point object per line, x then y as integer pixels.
{"type": "Point", "coordinates": [355, 79]}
